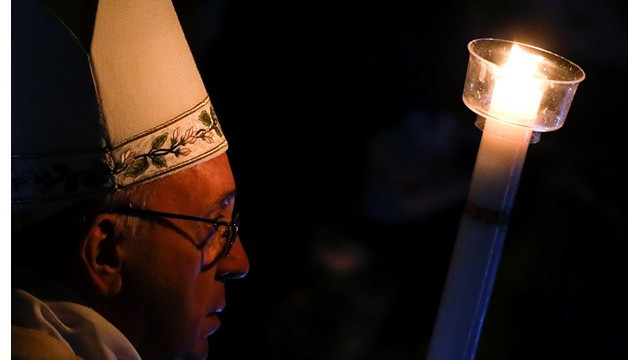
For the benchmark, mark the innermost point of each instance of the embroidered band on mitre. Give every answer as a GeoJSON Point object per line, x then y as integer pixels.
{"type": "Point", "coordinates": [180, 142]}
{"type": "Point", "coordinates": [154, 119]}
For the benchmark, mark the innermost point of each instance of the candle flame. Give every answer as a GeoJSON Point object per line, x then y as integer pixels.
{"type": "Point", "coordinates": [517, 93]}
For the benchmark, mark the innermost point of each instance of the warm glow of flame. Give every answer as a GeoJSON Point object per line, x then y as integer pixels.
{"type": "Point", "coordinates": [517, 93]}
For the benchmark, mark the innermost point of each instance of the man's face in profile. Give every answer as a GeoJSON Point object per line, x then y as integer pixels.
{"type": "Point", "coordinates": [169, 305]}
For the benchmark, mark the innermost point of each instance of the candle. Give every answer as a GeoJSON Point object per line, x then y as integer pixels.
{"type": "Point", "coordinates": [530, 91]}
{"type": "Point", "coordinates": [517, 94]}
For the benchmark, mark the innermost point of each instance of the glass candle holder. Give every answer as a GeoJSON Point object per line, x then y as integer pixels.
{"type": "Point", "coordinates": [554, 80]}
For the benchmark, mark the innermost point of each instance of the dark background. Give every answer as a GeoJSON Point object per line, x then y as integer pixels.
{"type": "Point", "coordinates": [352, 152]}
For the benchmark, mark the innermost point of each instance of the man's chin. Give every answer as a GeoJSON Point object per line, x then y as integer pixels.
{"type": "Point", "coordinates": [199, 351]}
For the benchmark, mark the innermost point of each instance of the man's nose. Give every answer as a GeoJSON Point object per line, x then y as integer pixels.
{"type": "Point", "coordinates": [236, 265]}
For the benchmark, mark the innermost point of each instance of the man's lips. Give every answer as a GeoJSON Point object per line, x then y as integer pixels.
{"type": "Point", "coordinates": [213, 320]}
{"type": "Point", "coordinates": [213, 325]}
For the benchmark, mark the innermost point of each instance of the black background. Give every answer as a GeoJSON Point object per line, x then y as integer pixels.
{"type": "Point", "coordinates": [352, 152]}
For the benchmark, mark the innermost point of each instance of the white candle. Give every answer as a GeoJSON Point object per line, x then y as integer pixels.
{"type": "Point", "coordinates": [514, 99]}
{"type": "Point", "coordinates": [503, 147]}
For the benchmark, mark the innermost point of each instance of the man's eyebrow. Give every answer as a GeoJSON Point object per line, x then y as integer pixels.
{"type": "Point", "coordinates": [225, 198]}
{"type": "Point", "coordinates": [222, 202]}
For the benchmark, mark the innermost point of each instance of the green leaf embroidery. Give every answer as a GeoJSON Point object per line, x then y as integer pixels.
{"type": "Point", "coordinates": [157, 153]}
{"type": "Point", "coordinates": [204, 118]}
{"type": "Point", "coordinates": [159, 141]}
{"type": "Point", "coordinates": [218, 132]}
{"type": "Point", "coordinates": [137, 168]}
{"type": "Point", "coordinates": [159, 161]}
{"type": "Point", "coordinates": [216, 124]}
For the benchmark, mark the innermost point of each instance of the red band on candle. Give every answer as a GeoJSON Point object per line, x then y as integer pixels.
{"type": "Point", "coordinates": [489, 216]}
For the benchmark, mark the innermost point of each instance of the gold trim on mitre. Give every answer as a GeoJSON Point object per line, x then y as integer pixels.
{"type": "Point", "coordinates": [191, 137]}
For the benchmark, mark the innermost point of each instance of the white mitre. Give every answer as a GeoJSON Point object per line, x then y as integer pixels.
{"type": "Point", "coordinates": [131, 109]}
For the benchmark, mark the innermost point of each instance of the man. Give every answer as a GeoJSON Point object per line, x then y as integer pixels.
{"type": "Point", "coordinates": [123, 226]}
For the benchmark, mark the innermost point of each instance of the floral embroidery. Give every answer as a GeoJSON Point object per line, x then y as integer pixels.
{"type": "Point", "coordinates": [132, 164]}
{"type": "Point", "coordinates": [190, 137]}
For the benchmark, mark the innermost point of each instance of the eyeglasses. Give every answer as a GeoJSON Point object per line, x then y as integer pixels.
{"type": "Point", "coordinates": [222, 235]}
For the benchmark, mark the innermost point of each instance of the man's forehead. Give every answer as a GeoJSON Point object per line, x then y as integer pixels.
{"type": "Point", "coordinates": [208, 183]}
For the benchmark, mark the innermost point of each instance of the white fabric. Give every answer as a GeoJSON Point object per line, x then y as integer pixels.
{"type": "Point", "coordinates": [85, 331]}
{"type": "Point", "coordinates": [142, 66]}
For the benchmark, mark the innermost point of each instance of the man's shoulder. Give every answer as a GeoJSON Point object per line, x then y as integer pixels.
{"type": "Point", "coordinates": [32, 344]}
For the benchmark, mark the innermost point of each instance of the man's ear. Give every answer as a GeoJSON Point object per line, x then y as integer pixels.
{"type": "Point", "coordinates": [101, 255]}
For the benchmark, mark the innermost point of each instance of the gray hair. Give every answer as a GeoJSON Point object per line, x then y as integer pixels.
{"type": "Point", "coordinates": [135, 197]}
